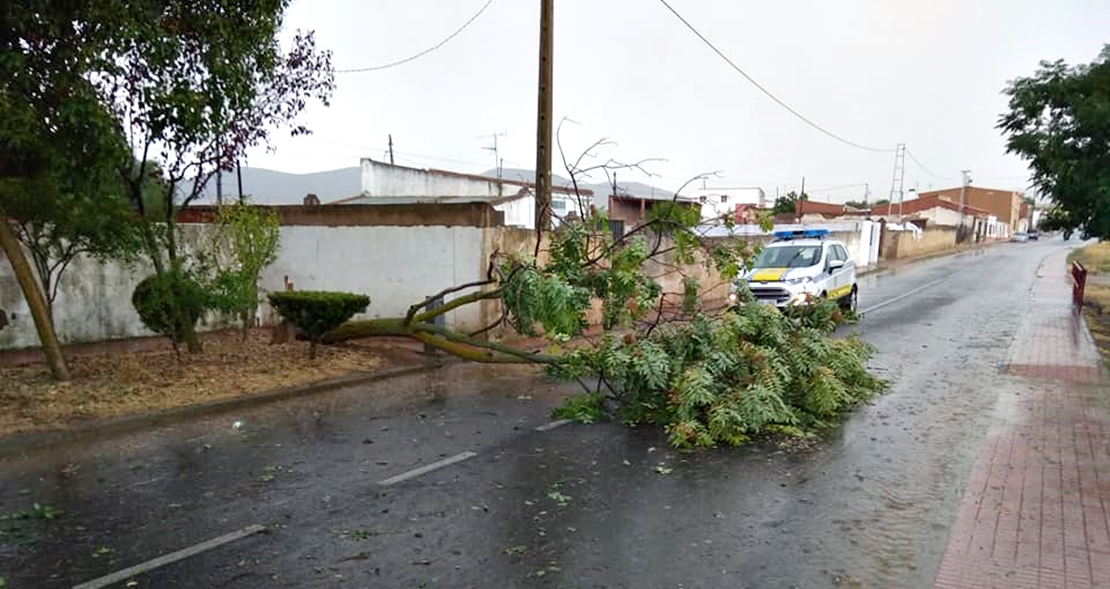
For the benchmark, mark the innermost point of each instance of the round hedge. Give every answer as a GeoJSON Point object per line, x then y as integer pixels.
{"type": "Point", "coordinates": [152, 300]}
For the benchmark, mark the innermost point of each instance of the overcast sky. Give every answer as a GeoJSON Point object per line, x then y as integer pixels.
{"type": "Point", "coordinates": [875, 72]}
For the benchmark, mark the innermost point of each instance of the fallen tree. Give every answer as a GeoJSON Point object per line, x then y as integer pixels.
{"type": "Point", "coordinates": [707, 375]}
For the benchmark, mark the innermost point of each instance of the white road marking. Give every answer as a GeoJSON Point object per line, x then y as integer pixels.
{"type": "Point", "coordinates": [554, 424]}
{"type": "Point", "coordinates": [172, 557]}
{"type": "Point", "coordinates": [427, 468]}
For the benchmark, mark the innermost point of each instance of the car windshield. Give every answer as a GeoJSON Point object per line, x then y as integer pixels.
{"type": "Point", "coordinates": [788, 256]}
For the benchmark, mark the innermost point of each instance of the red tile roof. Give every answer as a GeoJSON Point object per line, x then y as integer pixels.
{"type": "Point", "coordinates": [809, 207]}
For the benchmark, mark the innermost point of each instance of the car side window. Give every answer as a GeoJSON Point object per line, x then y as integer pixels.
{"type": "Point", "coordinates": [841, 253]}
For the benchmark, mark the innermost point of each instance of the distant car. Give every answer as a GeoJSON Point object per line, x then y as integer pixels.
{"type": "Point", "coordinates": [799, 265]}
{"type": "Point", "coordinates": [1033, 235]}
{"type": "Point", "coordinates": [1020, 237]}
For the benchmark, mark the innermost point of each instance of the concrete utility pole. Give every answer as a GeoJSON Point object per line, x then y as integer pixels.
{"type": "Point", "coordinates": [544, 115]}
{"type": "Point", "coordinates": [391, 149]}
{"type": "Point", "coordinates": [963, 195]}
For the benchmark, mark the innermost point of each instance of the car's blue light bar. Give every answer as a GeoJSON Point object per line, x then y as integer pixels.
{"type": "Point", "coordinates": [800, 233]}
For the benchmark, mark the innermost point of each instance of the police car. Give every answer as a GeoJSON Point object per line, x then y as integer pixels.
{"type": "Point", "coordinates": [799, 266]}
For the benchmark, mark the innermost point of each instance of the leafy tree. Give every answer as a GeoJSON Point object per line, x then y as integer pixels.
{"type": "Point", "coordinates": [248, 238]}
{"type": "Point", "coordinates": [96, 222]}
{"type": "Point", "coordinates": [789, 203]}
{"type": "Point", "coordinates": [1059, 122]}
{"type": "Point", "coordinates": [56, 136]}
{"type": "Point", "coordinates": [858, 204]}
{"type": "Point", "coordinates": [196, 86]}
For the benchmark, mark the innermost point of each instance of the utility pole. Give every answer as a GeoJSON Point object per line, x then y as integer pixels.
{"type": "Point", "coordinates": [544, 115]}
{"type": "Point", "coordinates": [239, 178]}
{"type": "Point", "coordinates": [391, 149]}
{"type": "Point", "coordinates": [963, 195]}
{"type": "Point", "coordinates": [219, 186]}
{"type": "Point", "coordinates": [803, 187]}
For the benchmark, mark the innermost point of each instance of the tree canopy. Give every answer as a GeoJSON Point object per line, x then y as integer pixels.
{"type": "Point", "coordinates": [789, 203]}
{"type": "Point", "coordinates": [1059, 122]}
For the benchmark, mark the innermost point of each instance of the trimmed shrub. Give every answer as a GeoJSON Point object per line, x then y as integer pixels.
{"type": "Point", "coordinates": [154, 300]}
{"type": "Point", "coordinates": [317, 312]}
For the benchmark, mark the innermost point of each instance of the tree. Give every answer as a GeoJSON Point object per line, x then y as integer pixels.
{"type": "Point", "coordinates": [707, 375]}
{"type": "Point", "coordinates": [196, 87]}
{"type": "Point", "coordinates": [54, 128]}
{"type": "Point", "coordinates": [96, 222]}
{"type": "Point", "coordinates": [247, 240]}
{"type": "Point", "coordinates": [789, 203]}
{"type": "Point", "coordinates": [1059, 122]}
{"type": "Point", "coordinates": [858, 204]}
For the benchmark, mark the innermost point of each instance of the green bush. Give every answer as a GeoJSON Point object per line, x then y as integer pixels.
{"type": "Point", "coordinates": [154, 300]}
{"type": "Point", "coordinates": [721, 380]}
{"type": "Point", "coordinates": [317, 312]}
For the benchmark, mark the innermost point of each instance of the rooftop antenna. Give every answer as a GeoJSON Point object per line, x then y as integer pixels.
{"type": "Point", "coordinates": [497, 163]}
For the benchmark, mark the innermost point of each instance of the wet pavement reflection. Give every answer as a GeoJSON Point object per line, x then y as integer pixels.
{"type": "Point", "coordinates": [868, 505]}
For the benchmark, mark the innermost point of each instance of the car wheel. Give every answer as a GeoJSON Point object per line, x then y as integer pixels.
{"type": "Point", "coordinates": [851, 302]}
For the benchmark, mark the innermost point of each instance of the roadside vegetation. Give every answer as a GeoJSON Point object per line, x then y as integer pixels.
{"type": "Point", "coordinates": [104, 82]}
{"type": "Point", "coordinates": [1096, 296]}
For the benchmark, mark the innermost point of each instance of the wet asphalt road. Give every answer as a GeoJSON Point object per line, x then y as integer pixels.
{"type": "Point", "coordinates": [599, 506]}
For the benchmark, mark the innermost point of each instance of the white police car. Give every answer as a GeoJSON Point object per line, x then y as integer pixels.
{"type": "Point", "coordinates": [799, 266]}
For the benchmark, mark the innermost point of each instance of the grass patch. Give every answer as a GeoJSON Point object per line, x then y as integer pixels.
{"type": "Point", "coordinates": [117, 384]}
{"type": "Point", "coordinates": [1095, 257]}
{"type": "Point", "coordinates": [1096, 296]}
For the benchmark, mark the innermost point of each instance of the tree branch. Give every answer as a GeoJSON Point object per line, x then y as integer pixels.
{"type": "Point", "coordinates": [413, 309]}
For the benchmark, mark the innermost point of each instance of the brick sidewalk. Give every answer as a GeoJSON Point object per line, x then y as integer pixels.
{"type": "Point", "coordinates": [1036, 509]}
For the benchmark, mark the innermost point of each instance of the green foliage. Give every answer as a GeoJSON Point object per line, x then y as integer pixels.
{"type": "Point", "coordinates": [721, 380]}
{"type": "Point", "coordinates": [158, 300]}
{"type": "Point", "coordinates": [249, 238]}
{"type": "Point", "coordinates": [584, 408]}
{"type": "Point", "coordinates": [317, 312]}
{"type": "Point", "coordinates": [1059, 122]}
{"type": "Point", "coordinates": [789, 203]}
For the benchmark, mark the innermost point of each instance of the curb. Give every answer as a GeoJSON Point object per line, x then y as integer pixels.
{"type": "Point", "coordinates": [19, 443]}
{"type": "Point", "coordinates": [883, 268]}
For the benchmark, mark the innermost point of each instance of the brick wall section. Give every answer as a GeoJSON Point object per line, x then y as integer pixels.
{"type": "Point", "coordinates": [1004, 204]}
{"type": "Point", "coordinates": [1036, 509]}
{"type": "Point", "coordinates": [400, 215]}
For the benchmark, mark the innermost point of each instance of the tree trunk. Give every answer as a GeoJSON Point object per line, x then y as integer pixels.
{"type": "Point", "coordinates": [35, 301]}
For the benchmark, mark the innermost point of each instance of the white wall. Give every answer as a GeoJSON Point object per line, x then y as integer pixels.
{"type": "Point", "coordinates": [521, 212]}
{"type": "Point", "coordinates": [394, 266]}
{"type": "Point", "coordinates": [381, 179]}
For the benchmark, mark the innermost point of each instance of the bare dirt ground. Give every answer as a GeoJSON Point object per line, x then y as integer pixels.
{"type": "Point", "coordinates": [110, 384]}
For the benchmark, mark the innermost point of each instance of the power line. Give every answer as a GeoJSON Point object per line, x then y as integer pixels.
{"type": "Point", "coordinates": [422, 53]}
{"type": "Point", "coordinates": [766, 91]}
{"type": "Point", "coordinates": [925, 169]}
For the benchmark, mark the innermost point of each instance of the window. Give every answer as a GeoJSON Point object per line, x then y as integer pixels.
{"type": "Point", "coordinates": [788, 256]}
{"type": "Point", "coordinates": [558, 205]}
{"type": "Point", "coordinates": [724, 198]}
{"type": "Point", "coordinates": [841, 253]}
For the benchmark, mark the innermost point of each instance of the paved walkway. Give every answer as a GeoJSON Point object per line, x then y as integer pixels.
{"type": "Point", "coordinates": [1036, 509]}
